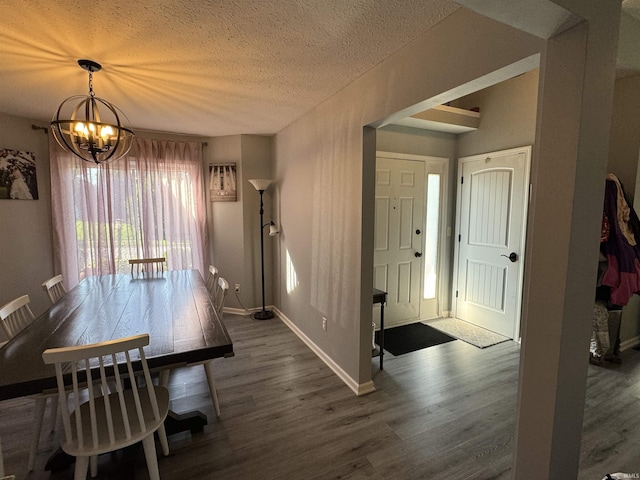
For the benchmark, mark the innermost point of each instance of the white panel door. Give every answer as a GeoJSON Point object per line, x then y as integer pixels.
{"type": "Point", "coordinates": [492, 201]}
{"type": "Point", "coordinates": [399, 218]}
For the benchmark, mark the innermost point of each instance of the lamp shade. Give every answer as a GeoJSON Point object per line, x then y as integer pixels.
{"type": "Point", "coordinates": [273, 230]}
{"type": "Point", "coordinates": [261, 183]}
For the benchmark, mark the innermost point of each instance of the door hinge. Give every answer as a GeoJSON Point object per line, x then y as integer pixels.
{"type": "Point", "coordinates": [459, 238]}
{"type": "Point", "coordinates": [456, 293]}
{"type": "Point", "coordinates": [461, 180]}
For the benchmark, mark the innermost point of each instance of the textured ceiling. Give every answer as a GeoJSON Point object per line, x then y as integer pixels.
{"type": "Point", "coordinates": [209, 67]}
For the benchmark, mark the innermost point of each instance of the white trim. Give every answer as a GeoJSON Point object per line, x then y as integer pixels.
{"type": "Point", "coordinates": [459, 111]}
{"type": "Point", "coordinates": [240, 311]}
{"type": "Point", "coordinates": [629, 343]}
{"type": "Point", "coordinates": [409, 156]}
{"type": "Point", "coordinates": [234, 311]}
{"type": "Point", "coordinates": [405, 321]}
{"type": "Point", "coordinates": [358, 389]}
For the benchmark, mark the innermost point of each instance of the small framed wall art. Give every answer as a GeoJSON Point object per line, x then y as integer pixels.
{"type": "Point", "coordinates": [18, 175]}
{"type": "Point", "coordinates": [222, 182]}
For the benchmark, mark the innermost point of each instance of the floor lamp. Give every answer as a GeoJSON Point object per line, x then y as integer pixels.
{"type": "Point", "coordinates": [261, 185]}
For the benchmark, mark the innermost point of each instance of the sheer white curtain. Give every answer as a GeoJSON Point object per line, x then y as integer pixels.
{"type": "Point", "coordinates": [147, 204]}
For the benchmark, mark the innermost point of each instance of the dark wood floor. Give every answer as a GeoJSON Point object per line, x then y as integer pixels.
{"type": "Point", "coordinates": [446, 412]}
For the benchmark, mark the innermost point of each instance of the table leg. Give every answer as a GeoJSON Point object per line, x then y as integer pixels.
{"type": "Point", "coordinates": [181, 422]}
{"type": "Point", "coordinates": [381, 335]}
{"type": "Point", "coordinates": [193, 421]}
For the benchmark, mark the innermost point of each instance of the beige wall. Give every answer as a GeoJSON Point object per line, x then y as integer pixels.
{"type": "Point", "coordinates": [329, 228]}
{"type": "Point", "coordinates": [234, 226]}
{"type": "Point", "coordinates": [628, 56]}
{"type": "Point", "coordinates": [319, 162]}
{"type": "Point", "coordinates": [225, 250]}
{"type": "Point", "coordinates": [25, 225]}
{"type": "Point", "coordinates": [257, 163]}
{"type": "Point", "coordinates": [507, 116]}
{"type": "Point", "coordinates": [625, 132]}
{"type": "Point", "coordinates": [398, 139]}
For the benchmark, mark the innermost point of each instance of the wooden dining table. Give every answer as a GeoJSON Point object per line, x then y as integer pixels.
{"type": "Point", "coordinates": [173, 307]}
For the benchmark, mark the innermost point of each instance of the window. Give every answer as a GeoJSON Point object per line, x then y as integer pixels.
{"type": "Point", "coordinates": [148, 204]}
{"type": "Point", "coordinates": [431, 236]}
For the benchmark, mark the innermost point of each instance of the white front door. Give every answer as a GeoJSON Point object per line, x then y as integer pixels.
{"type": "Point", "coordinates": [399, 218]}
{"type": "Point", "coordinates": [492, 212]}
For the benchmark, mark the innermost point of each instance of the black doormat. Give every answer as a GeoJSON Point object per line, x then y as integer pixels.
{"type": "Point", "coordinates": [412, 337]}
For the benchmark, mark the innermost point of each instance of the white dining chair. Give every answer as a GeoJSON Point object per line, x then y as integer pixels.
{"type": "Point", "coordinates": [115, 420]}
{"type": "Point", "coordinates": [218, 305]}
{"type": "Point", "coordinates": [54, 288]}
{"type": "Point", "coordinates": [14, 317]}
{"type": "Point", "coordinates": [212, 281]}
{"type": "Point", "coordinates": [220, 296]}
{"type": "Point", "coordinates": [151, 264]}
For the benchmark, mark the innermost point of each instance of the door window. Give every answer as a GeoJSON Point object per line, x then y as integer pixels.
{"type": "Point", "coordinates": [431, 236]}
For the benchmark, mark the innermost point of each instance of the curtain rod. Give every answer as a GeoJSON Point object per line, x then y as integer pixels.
{"type": "Point", "coordinates": [44, 129]}
{"type": "Point", "coordinates": [171, 133]}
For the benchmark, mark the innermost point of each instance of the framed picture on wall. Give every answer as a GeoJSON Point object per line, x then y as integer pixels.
{"type": "Point", "coordinates": [222, 182]}
{"type": "Point", "coordinates": [18, 175]}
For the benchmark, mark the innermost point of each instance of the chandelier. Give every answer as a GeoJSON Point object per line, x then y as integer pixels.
{"type": "Point", "coordinates": [89, 126]}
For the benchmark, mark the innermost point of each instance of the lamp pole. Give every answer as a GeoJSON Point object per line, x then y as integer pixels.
{"type": "Point", "coordinates": [264, 314]}
{"type": "Point", "coordinates": [261, 186]}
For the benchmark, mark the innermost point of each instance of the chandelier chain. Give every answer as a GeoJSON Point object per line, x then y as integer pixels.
{"type": "Point", "coordinates": [91, 84]}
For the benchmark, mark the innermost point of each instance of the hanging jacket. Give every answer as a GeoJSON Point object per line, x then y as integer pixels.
{"type": "Point", "coordinates": [623, 258]}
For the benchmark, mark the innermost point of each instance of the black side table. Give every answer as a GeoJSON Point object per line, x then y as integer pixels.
{"type": "Point", "coordinates": [380, 297]}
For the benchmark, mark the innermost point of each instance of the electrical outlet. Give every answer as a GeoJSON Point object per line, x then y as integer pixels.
{"type": "Point", "coordinates": [324, 323]}
{"type": "Point", "coordinates": [237, 288]}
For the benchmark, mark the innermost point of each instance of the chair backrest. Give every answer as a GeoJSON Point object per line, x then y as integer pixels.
{"type": "Point", "coordinates": [54, 288]}
{"type": "Point", "coordinates": [16, 315]}
{"type": "Point", "coordinates": [150, 263]}
{"type": "Point", "coordinates": [120, 415]}
{"type": "Point", "coordinates": [221, 294]}
{"type": "Point", "coordinates": [212, 281]}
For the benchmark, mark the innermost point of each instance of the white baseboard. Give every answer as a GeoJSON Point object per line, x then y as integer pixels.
{"type": "Point", "coordinates": [237, 311]}
{"type": "Point", "coordinates": [401, 323]}
{"type": "Point", "coordinates": [357, 388]}
{"type": "Point", "coordinates": [245, 311]}
{"type": "Point", "coordinates": [630, 343]}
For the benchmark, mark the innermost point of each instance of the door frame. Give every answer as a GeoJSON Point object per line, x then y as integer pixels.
{"type": "Point", "coordinates": [523, 237]}
{"type": "Point", "coordinates": [443, 260]}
